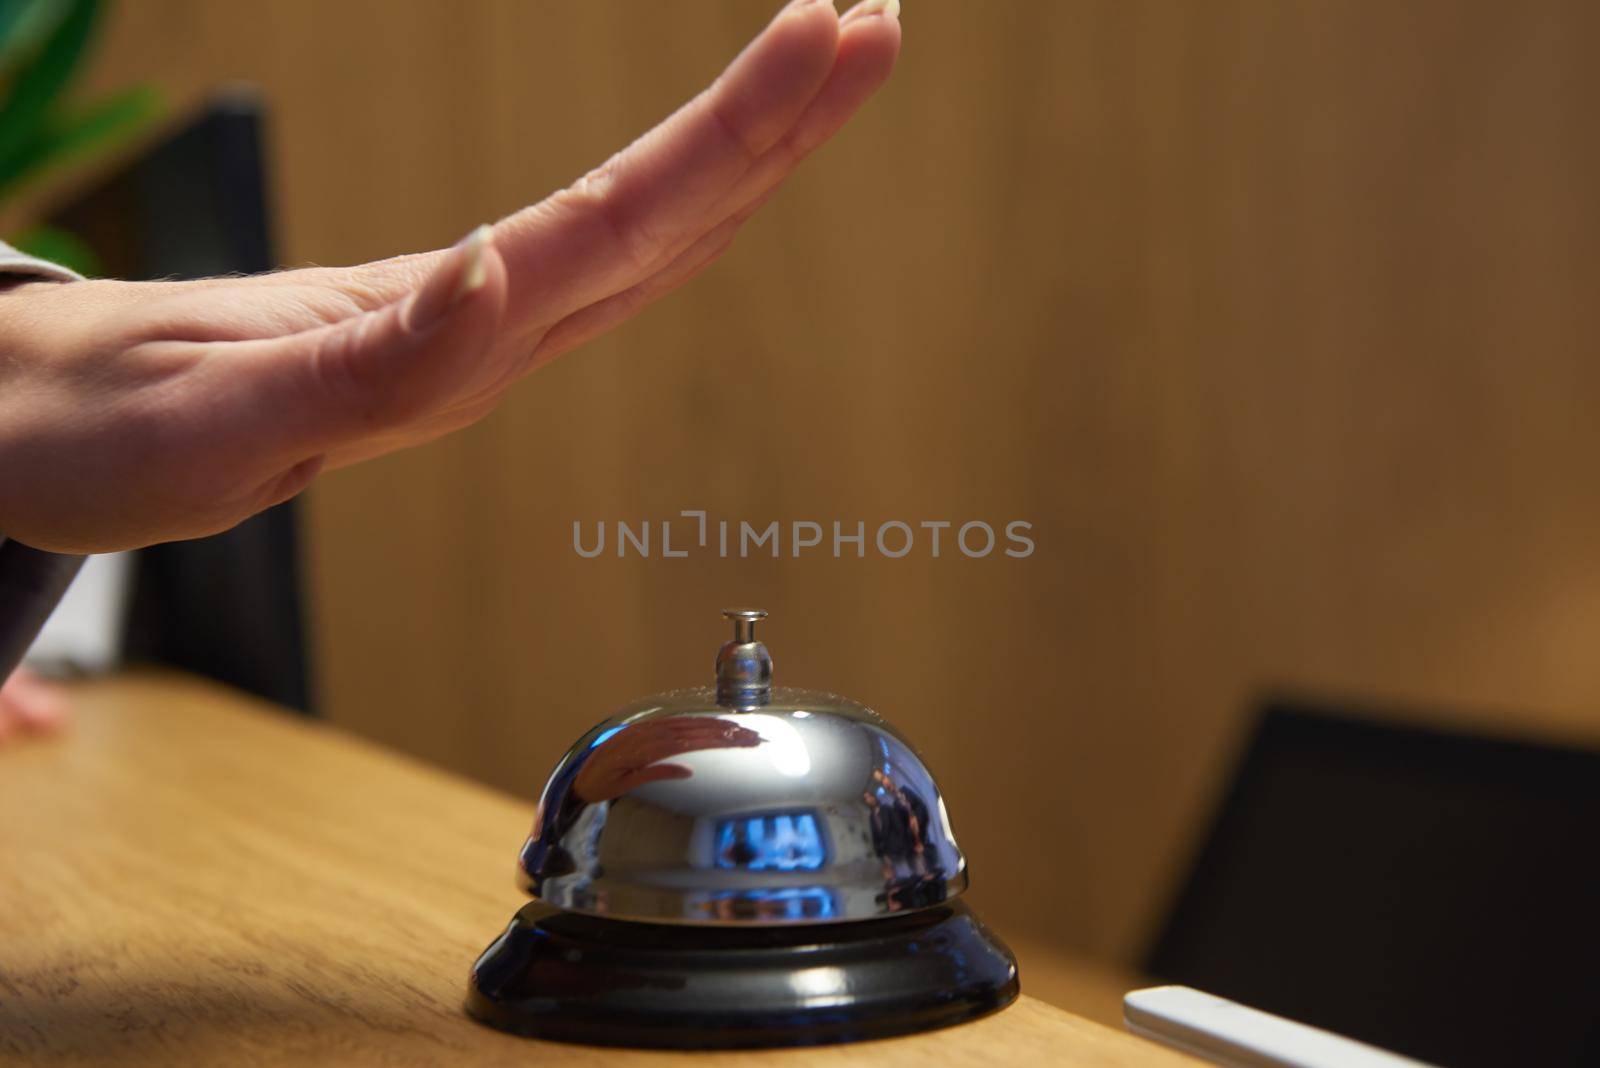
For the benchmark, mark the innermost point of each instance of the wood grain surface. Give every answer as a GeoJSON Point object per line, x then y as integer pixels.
{"type": "Point", "coordinates": [1276, 317]}
{"type": "Point", "coordinates": [191, 878]}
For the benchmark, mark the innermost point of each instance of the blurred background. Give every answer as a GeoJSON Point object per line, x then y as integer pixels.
{"type": "Point", "coordinates": [1275, 318]}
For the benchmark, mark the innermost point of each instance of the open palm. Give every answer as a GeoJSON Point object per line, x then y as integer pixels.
{"type": "Point", "coordinates": [132, 413]}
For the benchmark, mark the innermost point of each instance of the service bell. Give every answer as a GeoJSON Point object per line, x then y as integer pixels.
{"type": "Point", "coordinates": [741, 865]}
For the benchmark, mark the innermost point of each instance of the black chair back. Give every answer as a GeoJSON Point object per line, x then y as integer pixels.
{"type": "Point", "coordinates": [1431, 893]}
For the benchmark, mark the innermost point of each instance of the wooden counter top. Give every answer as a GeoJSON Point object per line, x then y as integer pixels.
{"type": "Point", "coordinates": [190, 876]}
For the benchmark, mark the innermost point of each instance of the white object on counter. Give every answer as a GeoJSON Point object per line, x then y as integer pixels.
{"type": "Point", "coordinates": [84, 633]}
{"type": "Point", "coordinates": [1225, 1032]}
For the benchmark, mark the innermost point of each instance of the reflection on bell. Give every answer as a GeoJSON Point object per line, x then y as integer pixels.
{"type": "Point", "coordinates": [741, 865]}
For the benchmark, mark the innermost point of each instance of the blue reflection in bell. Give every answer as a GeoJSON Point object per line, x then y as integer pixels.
{"type": "Point", "coordinates": [793, 904]}
{"type": "Point", "coordinates": [783, 841]}
{"type": "Point", "coordinates": [737, 824]}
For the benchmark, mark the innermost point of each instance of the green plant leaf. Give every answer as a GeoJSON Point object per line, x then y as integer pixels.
{"type": "Point", "coordinates": [59, 246]}
{"type": "Point", "coordinates": [41, 80]}
{"type": "Point", "coordinates": [23, 25]}
{"type": "Point", "coordinates": [74, 135]}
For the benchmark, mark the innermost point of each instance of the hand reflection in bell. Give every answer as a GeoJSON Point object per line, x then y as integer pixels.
{"type": "Point", "coordinates": [899, 824]}
{"type": "Point", "coordinates": [634, 756]}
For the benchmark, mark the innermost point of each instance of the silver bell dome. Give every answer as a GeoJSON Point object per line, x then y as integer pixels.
{"type": "Point", "coordinates": [742, 804]}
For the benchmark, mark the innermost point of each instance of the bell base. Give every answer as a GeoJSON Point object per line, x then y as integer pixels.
{"type": "Point", "coordinates": [570, 977]}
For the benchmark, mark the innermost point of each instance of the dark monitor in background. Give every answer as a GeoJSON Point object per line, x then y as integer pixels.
{"type": "Point", "coordinates": [1431, 893]}
{"type": "Point", "coordinates": [228, 607]}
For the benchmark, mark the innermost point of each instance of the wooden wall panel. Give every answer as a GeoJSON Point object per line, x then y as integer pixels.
{"type": "Point", "coordinates": [1275, 317]}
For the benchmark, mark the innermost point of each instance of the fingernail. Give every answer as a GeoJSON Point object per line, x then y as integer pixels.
{"type": "Point", "coordinates": [886, 8]}
{"type": "Point", "coordinates": [473, 271]}
{"type": "Point", "coordinates": [462, 273]}
{"type": "Point", "coordinates": [796, 5]}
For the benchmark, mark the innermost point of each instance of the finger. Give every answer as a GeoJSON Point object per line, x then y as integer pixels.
{"type": "Point", "coordinates": [588, 323]}
{"type": "Point", "coordinates": [614, 226]}
{"type": "Point", "coordinates": [868, 46]}
{"type": "Point", "coordinates": [699, 727]}
{"type": "Point", "coordinates": [674, 737]}
{"type": "Point", "coordinates": [32, 703]}
{"type": "Point", "coordinates": [725, 736]}
{"type": "Point", "coordinates": [584, 325]}
{"type": "Point", "coordinates": [744, 737]}
{"type": "Point", "coordinates": [637, 215]}
{"type": "Point", "coordinates": [659, 772]}
{"type": "Point", "coordinates": [605, 221]}
{"type": "Point", "coordinates": [567, 334]}
{"type": "Point", "coordinates": [324, 388]}
{"type": "Point", "coordinates": [679, 746]}
{"type": "Point", "coordinates": [869, 43]}
{"type": "Point", "coordinates": [863, 56]}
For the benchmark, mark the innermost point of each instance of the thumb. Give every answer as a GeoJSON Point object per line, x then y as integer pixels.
{"type": "Point", "coordinates": [383, 369]}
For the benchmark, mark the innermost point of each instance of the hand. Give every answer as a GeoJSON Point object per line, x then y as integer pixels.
{"type": "Point", "coordinates": [633, 757]}
{"type": "Point", "coordinates": [30, 705]}
{"type": "Point", "coordinates": [139, 412]}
